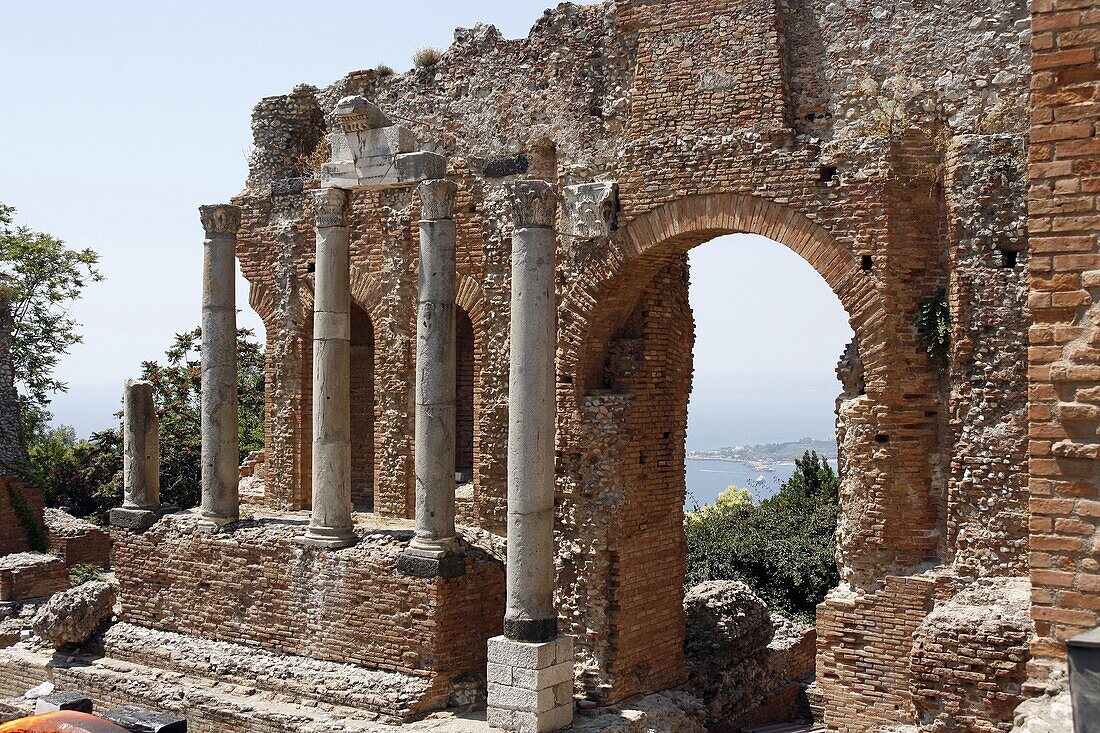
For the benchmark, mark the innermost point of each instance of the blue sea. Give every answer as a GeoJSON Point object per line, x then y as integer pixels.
{"type": "Point", "coordinates": [707, 479]}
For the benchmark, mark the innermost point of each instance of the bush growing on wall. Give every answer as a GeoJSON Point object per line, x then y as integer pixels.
{"type": "Point", "coordinates": [784, 548]}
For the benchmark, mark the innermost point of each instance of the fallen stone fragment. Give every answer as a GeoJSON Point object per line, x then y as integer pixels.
{"type": "Point", "coordinates": [72, 616]}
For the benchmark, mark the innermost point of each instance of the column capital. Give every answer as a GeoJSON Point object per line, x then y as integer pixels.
{"type": "Point", "coordinates": [437, 199]}
{"type": "Point", "coordinates": [533, 204]}
{"type": "Point", "coordinates": [220, 219]}
{"type": "Point", "coordinates": [330, 205]}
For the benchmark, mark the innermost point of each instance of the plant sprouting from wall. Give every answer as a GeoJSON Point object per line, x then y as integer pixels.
{"type": "Point", "coordinates": [933, 323]}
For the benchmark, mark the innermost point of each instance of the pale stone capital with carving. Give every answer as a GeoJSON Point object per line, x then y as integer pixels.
{"type": "Point", "coordinates": [533, 204]}
{"type": "Point", "coordinates": [437, 199]}
{"type": "Point", "coordinates": [330, 205]}
{"type": "Point", "coordinates": [220, 219]}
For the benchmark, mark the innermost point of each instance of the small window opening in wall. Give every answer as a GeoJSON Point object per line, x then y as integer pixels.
{"type": "Point", "coordinates": [882, 438]}
{"type": "Point", "coordinates": [866, 263]}
{"type": "Point", "coordinates": [826, 174]}
{"type": "Point", "coordinates": [1009, 258]}
{"type": "Point", "coordinates": [311, 266]}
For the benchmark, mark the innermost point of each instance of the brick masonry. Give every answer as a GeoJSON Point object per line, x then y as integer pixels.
{"type": "Point", "coordinates": [888, 146]}
{"type": "Point", "coordinates": [13, 534]}
{"type": "Point", "coordinates": [1064, 369]}
{"type": "Point", "coordinates": [255, 586]}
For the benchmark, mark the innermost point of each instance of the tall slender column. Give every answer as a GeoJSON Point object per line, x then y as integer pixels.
{"type": "Point", "coordinates": [330, 521]}
{"type": "Point", "coordinates": [530, 614]}
{"type": "Point", "coordinates": [140, 447]}
{"type": "Point", "coordinates": [530, 669]}
{"type": "Point", "coordinates": [431, 551]}
{"type": "Point", "coordinates": [220, 452]}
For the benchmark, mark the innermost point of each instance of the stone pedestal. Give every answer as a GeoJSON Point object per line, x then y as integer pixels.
{"type": "Point", "coordinates": [530, 684]}
{"type": "Point", "coordinates": [330, 522]}
{"type": "Point", "coordinates": [220, 451]}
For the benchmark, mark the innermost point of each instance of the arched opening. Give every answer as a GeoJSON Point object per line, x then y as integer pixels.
{"type": "Point", "coordinates": [625, 374]}
{"type": "Point", "coordinates": [464, 398]}
{"type": "Point", "coordinates": [764, 366]}
{"type": "Point", "coordinates": [362, 410]}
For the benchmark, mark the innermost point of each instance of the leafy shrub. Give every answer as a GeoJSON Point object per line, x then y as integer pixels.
{"type": "Point", "coordinates": [427, 57]}
{"type": "Point", "coordinates": [933, 323]}
{"type": "Point", "coordinates": [84, 572]}
{"type": "Point", "coordinates": [784, 548]}
{"type": "Point", "coordinates": [37, 537]}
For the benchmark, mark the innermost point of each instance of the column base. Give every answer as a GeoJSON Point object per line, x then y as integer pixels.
{"type": "Point", "coordinates": [530, 685]}
{"type": "Point", "coordinates": [450, 565]}
{"type": "Point", "coordinates": [332, 539]}
{"type": "Point", "coordinates": [138, 519]}
{"type": "Point", "coordinates": [212, 524]}
{"type": "Point", "coordinates": [532, 631]}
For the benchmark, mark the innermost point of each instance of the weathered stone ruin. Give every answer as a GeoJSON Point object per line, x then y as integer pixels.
{"type": "Point", "coordinates": [895, 146]}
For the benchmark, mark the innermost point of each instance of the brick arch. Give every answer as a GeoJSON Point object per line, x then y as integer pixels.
{"type": "Point", "coordinates": [602, 296]}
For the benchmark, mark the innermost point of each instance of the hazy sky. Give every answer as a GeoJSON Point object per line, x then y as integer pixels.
{"type": "Point", "coordinates": [119, 119]}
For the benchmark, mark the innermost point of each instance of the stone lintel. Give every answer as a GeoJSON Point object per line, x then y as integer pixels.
{"type": "Point", "coordinates": [384, 172]}
{"type": "Point", "coordinates": [530, 686]}
{"type": "Point", "coordinates": [450, 565]}
{"type": "Point", "coordinates": [137, 519]}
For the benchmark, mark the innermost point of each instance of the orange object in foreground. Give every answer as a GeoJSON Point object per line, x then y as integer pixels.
{"type": "Point", "coordinates": [62, 721]}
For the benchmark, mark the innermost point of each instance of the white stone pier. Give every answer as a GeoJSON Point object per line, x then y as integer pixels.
{"type": "Point", "coordinates": [220, 452]}
{"type": "Point", "coordinates": [140, 459]}
{"type": "Point", "coordinates": [531, 667]}
{"type": "Point", "coordinates": [330, 520]}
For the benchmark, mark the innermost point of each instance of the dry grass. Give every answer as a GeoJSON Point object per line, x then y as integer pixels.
{"type": "Point", "coordinates": [311, 163]}
{"type": "Point", "coordinates": [427, 57]}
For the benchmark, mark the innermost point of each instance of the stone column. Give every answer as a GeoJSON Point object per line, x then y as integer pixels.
{"type": "Point", "coordinates": [531, 668]}
{"type": "Point", "coordinates": [140, 459]}
{"type": "Point", "coordinates": [220, 452]}
{"type": "Point", "coordinates": [431, 551]}
{"type": "Point", "coordinates": [140, 447]}
{"type": "Point", "coordinates": [330, 521]}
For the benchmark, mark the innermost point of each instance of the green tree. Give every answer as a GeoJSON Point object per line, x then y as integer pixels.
{"type": "Point", "coordinates": [42, 277]}
{"type": "Point", "coordinates": [177, 393]}
{"type": "Point", "coordinates": [86, 475]}
{"type": "Point", "coordinates": [784, 548]}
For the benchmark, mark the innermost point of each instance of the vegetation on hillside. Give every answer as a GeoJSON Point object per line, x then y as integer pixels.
{"type": "Point", "coordinates": [784, 548]}
{"type": "Point", "coordinates": [42, 278]}
{"type": "Point", "coordinates": [85, 476]}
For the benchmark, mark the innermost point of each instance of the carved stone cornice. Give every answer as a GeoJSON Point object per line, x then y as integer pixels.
{"type": "Point", "coordinates": [330, 205]}
{"type": "Point", "coordinates": [533, 204]}
{"type": "Point", "coordinates": [220, 219]}
{"type": "Point", "coordinates": [437, 199]}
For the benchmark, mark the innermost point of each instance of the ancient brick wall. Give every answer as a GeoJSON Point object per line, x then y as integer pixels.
{"type": "Point", "coordinates": [77, 542]}
{"type": "Point", "coordinates": [255, 586]}
{"type": "Point", "coordinates": [13, 534]}
{"type": "Point", "coordinates": [1063, 370]}
{"type": "Point", "coordinates": [883, 144]}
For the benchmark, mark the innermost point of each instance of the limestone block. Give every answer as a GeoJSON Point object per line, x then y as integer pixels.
{"type": "Point", "coordinates": [588, 209]}
{"type": "Point", "coordinates": [540, 679]}
{"type": "Point", "coordinates": [72, 616]}
{"type": "Point", "coordinates": [526, 655]}
{"type": "Point", "coordinates": [520, 698]}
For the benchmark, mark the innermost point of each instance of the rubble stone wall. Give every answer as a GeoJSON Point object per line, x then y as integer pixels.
{"type": "Point", "coordinates": [882, 142]}
{"type": "Point", "coordinates": [1064, 369]}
